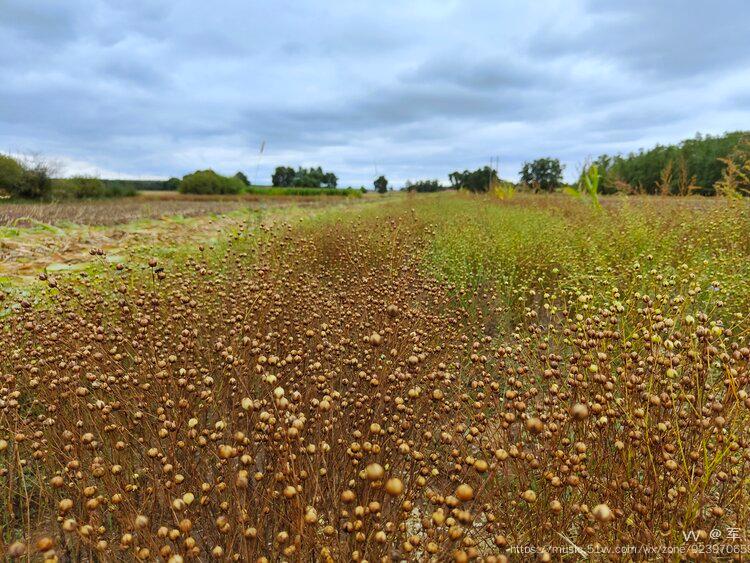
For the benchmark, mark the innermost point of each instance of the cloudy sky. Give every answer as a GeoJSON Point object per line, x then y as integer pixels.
{"type": "Point", "coordinates": [149, 88]}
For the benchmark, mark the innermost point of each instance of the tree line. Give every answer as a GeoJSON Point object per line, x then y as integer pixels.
{"type": "Point", "coordinates": [315, 177]}
{"type": "Point", "coordinates": [694, 165]}
{"type": "Point", "coordinates": [703, 165]}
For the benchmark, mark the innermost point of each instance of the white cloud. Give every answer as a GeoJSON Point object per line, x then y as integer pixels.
{"type": "Point", "coordinates": [415, 90]}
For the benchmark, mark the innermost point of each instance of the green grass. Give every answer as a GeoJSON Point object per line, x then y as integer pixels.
{"type": "Point", "coordinates": [526, 251]}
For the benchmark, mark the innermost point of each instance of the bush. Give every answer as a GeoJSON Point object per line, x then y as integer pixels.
{"type": "Point", "coordinates": [11, 174]}
{"type": "Point", "coordinates": [119, 188]}
{"type": "Point", "coordinates": [24, 180]}
{"type": "Point", "coordinates": [209, 182]}
{"type": "Point", "coordinates": [116, 188]}
{"type": "Point", "coordinates": [86, 187]}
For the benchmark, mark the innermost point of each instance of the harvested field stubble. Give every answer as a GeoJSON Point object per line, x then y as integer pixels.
{"type": "Point", "coordinates": [438, 378]}
{"type": "Point", "coordinates": [148, 205]}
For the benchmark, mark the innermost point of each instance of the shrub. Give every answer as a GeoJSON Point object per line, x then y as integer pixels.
{"type": "Point", "coordinates": [120, 188]}
{"type": "Point", "coordinates": [87, 187]}
{"type": "Point", "coordinates": [209, 182]}
{"type": "Point", "coordinates": [24, 180]}
{"type": "Point", "coordinates": [83, 187]}
{"type": "Point", "coordinates": [11, 174]}
{"type": "Point", "coordinates": [117, 188]}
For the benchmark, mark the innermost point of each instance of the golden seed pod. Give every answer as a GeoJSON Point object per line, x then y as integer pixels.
{"type": "Point", "coordinates": [16, 549]}
{"type": "Point", "coordinates": [45, 543]}
{"type": "Point", "coordinates": [141, 522]}
{"type": "Point", "coordinates": [602, 513]}
{"type": "Point", "coordinates": [579, 411]}
{"type": "Point", "coordinates": [374, 472]}
{"type": "Point", "coordinates": [311, 516]}
{"type": "Point", "coordinates": [534, 425]}
{"type": "Point", "coordinates": [464, 492]}
{"type": "Point", "coordinates": [394, 486]}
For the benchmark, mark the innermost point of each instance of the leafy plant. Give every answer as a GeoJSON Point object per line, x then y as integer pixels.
{"type": "Point", "coordinates": [735, 177]}
{"type": "Point", "coordinates": [587, 187]}
{"type": "Point", "coordinates": [502, 189]}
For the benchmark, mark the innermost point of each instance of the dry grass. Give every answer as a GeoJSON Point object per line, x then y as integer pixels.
{"type": "Point", "coordinates": [344, 389]}
{"type": "Point", "coordinates": [147, 205]}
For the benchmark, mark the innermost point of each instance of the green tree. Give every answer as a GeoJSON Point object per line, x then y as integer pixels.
{"type": "Point", "coordinates": [172, 184]}
{"type": "Point", "coordinates": [283, 176]}
{"type": "Point", "coordinates": [542, 174]}
{"type": "Point", "coordinates": [330, 180]}
{"type": "Point", "coordinates": [423, 186]}
{"type": "Point", "coordinates": [476, 181]}
{"type": "Point", "coordinates": [242, 178]}
{"type": "Point", "coordinates": [381, 185]}
{"type": "Point", "coordinates": [691, 166]}
{"type": "Point", "coordinates": [315, 177]}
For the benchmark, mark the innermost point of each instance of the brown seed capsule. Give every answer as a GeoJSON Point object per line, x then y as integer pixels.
{"type": "Point", "coordinates": [464, 492]}
{"type": "Point", "coordinates": [374, 472]}
{"type": "Point", "coordinates": [16, 549]}
{"type": "Point", "coordinates": [534, 425]}
{"type": "Point", "coordinates": [602, 513]}
{"type": "Point", "coordinates": [579, 411]}
{"type": "Point", "coordinates": [311, 516]}
{"type": "Point", "coordinates": [45, 543]}
{"type": "Point", "coordinates": [394, 486]}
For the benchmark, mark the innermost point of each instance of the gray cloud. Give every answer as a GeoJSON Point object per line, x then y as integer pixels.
{"type": "Point", "coordinates": [158, 88]}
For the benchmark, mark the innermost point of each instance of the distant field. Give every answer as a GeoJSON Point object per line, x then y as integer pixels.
{"type": "Point", "coordinates": [149, 204]}
{"type": "Point", "coordinates": [274, 191]}
{"type": "Point", "coordinates": [58, 236]}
